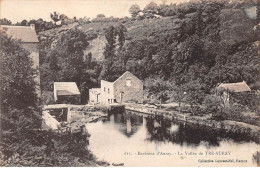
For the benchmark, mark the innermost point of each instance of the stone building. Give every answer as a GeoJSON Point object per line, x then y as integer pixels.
{"type": "Point", "coordinates": [127, 88]}
{"type": "Point", "coordinates": [66, 93]}
{"type": "Point", "coordinates": [27, 37]}
{"type": "Point", "coordinates": [224, 90]}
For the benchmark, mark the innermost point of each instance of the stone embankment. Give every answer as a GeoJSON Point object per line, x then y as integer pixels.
{"type": "Point", "coordinates": [63, 117]}
{"type": "Point", "coordinates": [204, 121]}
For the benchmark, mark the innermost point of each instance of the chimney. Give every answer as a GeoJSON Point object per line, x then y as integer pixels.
{"type": "Point", "coordinates": [32, 26]}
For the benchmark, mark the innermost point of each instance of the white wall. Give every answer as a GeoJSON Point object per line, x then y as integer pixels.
{"type": "Point", "coordinates": [107, 92]}
{"type": "Point", "coordinates": [93, 93]}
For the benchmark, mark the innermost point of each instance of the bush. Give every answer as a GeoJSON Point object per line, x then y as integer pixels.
{"type": "Point", "coordinates": [234, 113]}
{"type": "Point", "coordinates": [185, 109]}
{"type": "Point", "coordinates": [247, 100]}
{"type": "Point", "coordinates": [45, 148]}
{"type": "Point", "coordinates": [212, 103]}
{"type": "Point", "coordinates": [227, 113]}
{"type": "Point", "coordinates": [47, 98]}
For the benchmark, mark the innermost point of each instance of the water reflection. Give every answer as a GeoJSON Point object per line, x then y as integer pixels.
{"type": "Point", "coordinates": [190, 134]}
{"type": "Point", "coordinates": [160, 129]}
{"type": "Point", "coordinates": [127, 123]}
{"type": "Point", "coordinates": [135, 132]}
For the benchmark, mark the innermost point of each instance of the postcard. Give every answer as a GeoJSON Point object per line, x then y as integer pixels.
{"type": "Point", "coordinates": [129, 83]}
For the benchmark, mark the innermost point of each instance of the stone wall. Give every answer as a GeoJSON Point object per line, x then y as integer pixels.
{"type": "Point", "coordinates": [128, 92]}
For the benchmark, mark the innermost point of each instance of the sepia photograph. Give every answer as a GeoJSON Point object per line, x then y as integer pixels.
{"type": "Point", "coordinates": [129, 83]}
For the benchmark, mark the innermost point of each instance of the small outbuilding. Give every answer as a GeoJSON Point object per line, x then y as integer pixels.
{"type": "Point", "coordinates": [66, 93]}
{"type": "Point", "coordinates": [224, 90]}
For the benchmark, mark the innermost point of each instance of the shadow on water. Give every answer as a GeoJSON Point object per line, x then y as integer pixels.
{"type": "Point", "coordinates": [160, 129]}
{"type": "Point", "coordinates": [181, 132]}
{"type": "Point", "coordinates": [127, 123]}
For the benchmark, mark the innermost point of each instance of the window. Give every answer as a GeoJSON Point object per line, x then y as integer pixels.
{"type": "Point", "coordinates": [128, 82]}
{"type": "Point", "coordinates": [108, 90]}
{"type": "Point", "coordinates": [110, 101]}
{"type": "Point", "coordinates": [104, 89]}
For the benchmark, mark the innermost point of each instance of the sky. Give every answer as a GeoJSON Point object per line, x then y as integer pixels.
{"type": "Point", "coordinates": [18, 10]}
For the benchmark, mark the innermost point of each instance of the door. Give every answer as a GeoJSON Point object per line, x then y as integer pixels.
{"type": "Point", "coordinates": [97, 98]}
{"type": "Point", "coordinates": [121, 97]}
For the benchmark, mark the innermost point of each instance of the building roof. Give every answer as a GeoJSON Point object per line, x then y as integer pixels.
{"type": "Point", "coordinates": [24, 33]}
{"type": "Point", "coordinates": [235, 87]}
{"type": "Point", "coordinates": [127, 72]}
{"type": "Point", "coordinates": [66, 88]}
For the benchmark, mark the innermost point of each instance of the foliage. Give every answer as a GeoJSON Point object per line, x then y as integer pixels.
{"type": "Point", "coordinates": [17, 75]}
{"type": "Point", "coordinates": [134, 10]}
{"type": "Point", "coordinates": [41, 25]}
{"type": "Point", "coordinates": [47, 98]}
{"type": "Point", "coordinates": [67, 62]}
{"type": "Point", "coordinates": [193, 47]}
{"type": "Point", "coordinates": [194, 93]}
{"type": "Point", "coordinates": [23, 143]}
{"type": "Point", "coordinates": [156, 88]}
{"type": "Point", "coordinates": [234, 113]}
{"type": "Point", "coordinates": [247, 100]}
{"type": "Point", "coordinates": [212, 103]}
{"type": "Point", "coordinates": [4, 21]}
{"type": "Point", "coordinates": [24, 23]}
{"type": "Point", "coordinates": [112, 67]}
{"type": "Point", "coordinates": [151, 8]}
{"type": "Point", "coordinates": [45, 148]}
{"type": "Point", "coordinates": [55, 17]}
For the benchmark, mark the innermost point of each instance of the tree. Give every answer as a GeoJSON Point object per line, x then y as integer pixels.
{"type": "Point", "coordinates": [212, 104]}
{"type": "Point", "coordinates": [159, 88]}
{"type": "Point", "coordinates": [5, 21]}
{"type": "Point", "coordinates": [64, 19]}
{"type": "Point", "coordinates": [110, 34]}
{"type": "Point", "coordinates": [199, 22]}
{"type": "Point", "coordinates": [177, 95]}
{"type": "Point", "coordinates": [194, 93]}
{"type": "Point", "coordinates": [70, 49]}
{"type": "Point", "coordinates": [24, 23]}
{"type": "Point", "coordinates": [17, 76]}
{"type": "Point", "coordinates": [167, 10]}
{"type": "Point", "coordinates": [134, 10]}
{"type": "Point", "coordinates": [55, 17]}
{"type": "Point", "coordinates": [151, 9]}
{"type": "Point", "coordinates": [101, 16]}
{"type": "Point", "coordinates": [121, 31]}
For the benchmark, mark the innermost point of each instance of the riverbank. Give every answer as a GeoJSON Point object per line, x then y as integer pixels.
{"type": "Point", "coordinates": [206, 120]}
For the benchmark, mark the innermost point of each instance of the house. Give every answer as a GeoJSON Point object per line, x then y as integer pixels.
{"type": "Point", "coordinates": [94, 95]}
{"type": "Point", "coordinates": [66, 93]}
{"type": "Point", "coordinates": [224, 90]}
{"type": "Point", "coordinates": [127, 88]}
{"type": "Point", "coordinates": [27, 37]}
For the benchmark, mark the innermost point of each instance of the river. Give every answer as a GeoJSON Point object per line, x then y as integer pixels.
{"type": "Point", "coordinates": [136, 140]}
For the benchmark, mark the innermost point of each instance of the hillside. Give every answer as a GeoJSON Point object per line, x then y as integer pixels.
{"type": "Point", "coordinates": [137, 29]}
{"type": "Point", "coordinates": [196, 46]}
